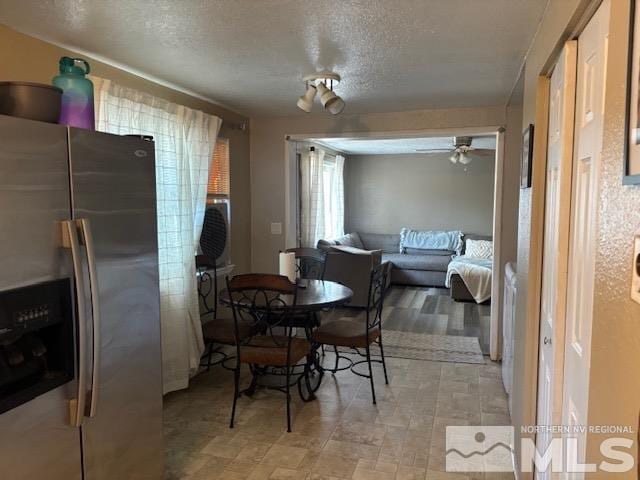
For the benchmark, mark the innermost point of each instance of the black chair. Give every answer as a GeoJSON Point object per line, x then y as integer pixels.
{"type": "Point", "coordinates": [310, 265]}
{"type": "Point", "coordinates": [356, 335]}
{"type": "Point", "coordinates": [265, 302]}
{"type": "Point", "coordinates": [311, 262]}
{"type": "Point", "coordinates": [216, 332]}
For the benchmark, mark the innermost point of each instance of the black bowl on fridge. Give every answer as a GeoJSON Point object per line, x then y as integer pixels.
{"type": "Point", "coordinates": [35, 101]}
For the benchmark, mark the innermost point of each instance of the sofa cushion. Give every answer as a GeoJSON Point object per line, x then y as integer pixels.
{"type": "Point", "coordinates": [420, 251]}
{"type": "Point", "coordinates": [387, 242]}
{"type": "Point", "coordinates": [437, 263]}
{"type": "Point", "coordinates": [325, 244]}
{"type": "Point", "coordinates": [473, 236]}
{"type": "Point", "coordinates": [348, 240]}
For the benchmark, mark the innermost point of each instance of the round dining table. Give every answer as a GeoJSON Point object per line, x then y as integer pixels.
{"type": "Point", "coordinates": [312, 296]}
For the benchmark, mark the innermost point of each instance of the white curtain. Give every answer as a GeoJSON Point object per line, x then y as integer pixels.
{"type": "Point", "coordinates": [312, 196]}
{"type": "Point", "coordinates": [184, 142]}
{"type": "Point", "coordinates": [321, 196]}
{"type": "Point", "coordinates": [335, 205]}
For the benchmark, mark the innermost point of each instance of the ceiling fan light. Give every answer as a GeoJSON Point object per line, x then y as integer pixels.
{"type": "Point", "coordinates": [464, 159]}
{"type": "Point", "coordinates": [335, 106]}
{"type": "Point", "coordinates": [305, 102]}
{"type": "Point", "coordinates": [454, 157]}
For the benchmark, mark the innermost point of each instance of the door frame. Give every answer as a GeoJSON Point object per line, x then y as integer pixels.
{"type": "Point", "coordinates": [497, 130]}
{"type": "Point", "coordinates": [532, 306]}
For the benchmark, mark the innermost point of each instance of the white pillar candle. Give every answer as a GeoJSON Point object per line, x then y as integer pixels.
{"type": "Point", "coordinates": [288, 265]}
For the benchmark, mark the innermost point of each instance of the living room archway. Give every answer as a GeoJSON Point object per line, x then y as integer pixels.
{"type": "Point", "coordinates": [294, 143]}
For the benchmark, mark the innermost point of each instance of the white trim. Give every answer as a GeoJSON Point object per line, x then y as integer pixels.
{"type": "Point", "coordinates": [429, 132]}
{"type": "Point", "coordinates": [495, 330]}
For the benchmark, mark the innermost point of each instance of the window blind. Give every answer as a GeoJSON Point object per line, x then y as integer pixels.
{"type": "Point", "coordinates": [219, 182]}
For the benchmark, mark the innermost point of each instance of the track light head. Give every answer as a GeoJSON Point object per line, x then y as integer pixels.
{"type": "Point", "coordinates": [336, 106]}
{"type": "Point", "coordinates": [330, 100]}
{"type": "Point", "coordinates": [305, 102]}
{"type": "Point", "coordinates": [454, 157]}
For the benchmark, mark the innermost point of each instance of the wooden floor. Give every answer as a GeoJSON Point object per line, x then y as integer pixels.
{"type": "Point", "coordinates": [431, 310]}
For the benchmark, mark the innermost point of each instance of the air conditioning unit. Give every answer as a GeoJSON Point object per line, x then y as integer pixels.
{"type": "Point", "coordinates": [214, 240]}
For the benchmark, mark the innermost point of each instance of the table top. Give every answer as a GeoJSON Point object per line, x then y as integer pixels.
{"type": "Point", "coordinates": [313, 295]}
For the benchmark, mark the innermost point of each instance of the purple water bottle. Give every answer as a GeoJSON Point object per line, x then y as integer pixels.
{"type": "Point", "coordinates": [77, 96]}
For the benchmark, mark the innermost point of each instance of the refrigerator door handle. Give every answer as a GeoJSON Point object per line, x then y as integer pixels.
{"type": "Point", "coordinates": [70, 241]}
{"type": "Point", "coordinates": [87, 238]}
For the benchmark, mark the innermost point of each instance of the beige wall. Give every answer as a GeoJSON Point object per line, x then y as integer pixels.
{"type": "Point", "coordinates": [614, 397]}
{"type": "Point", "coordinates": [29, 59]}
{"type": "Point", "coordinates": [268, 152]}
{"type": "Point", "coordinates": [384, 193]}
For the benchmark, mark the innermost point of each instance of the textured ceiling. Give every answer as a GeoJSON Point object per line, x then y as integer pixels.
{"type": "Point", "coordinates": [367, 146]}
{"type": "Point", "coordinates": [250, 55]}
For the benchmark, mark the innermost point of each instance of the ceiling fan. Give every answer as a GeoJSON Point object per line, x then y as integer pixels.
{"type": "Point", "coordinates": [461, 150]}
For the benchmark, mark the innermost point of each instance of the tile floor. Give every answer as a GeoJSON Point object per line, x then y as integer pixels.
{"type": "Point", "coordinates": [341, 435]}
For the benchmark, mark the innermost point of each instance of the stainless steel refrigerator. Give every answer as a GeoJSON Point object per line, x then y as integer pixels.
{"type": "Point", "coordinates": [80, 359]}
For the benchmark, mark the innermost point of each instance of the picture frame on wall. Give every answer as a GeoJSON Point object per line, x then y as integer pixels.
{"type": "Point", "coordinates": [527, 157]}
{"type": "Point", "coordinates": [631, 167]}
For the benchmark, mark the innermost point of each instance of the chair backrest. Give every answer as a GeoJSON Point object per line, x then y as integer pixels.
{"type": "Point", "coordinates": [311, 262]}
{"type": "Point", "coordinates": [264, 300]}
{"type": "Point", "coordinates": [377, 292]}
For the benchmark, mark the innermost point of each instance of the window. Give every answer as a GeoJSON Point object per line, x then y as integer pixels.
{"type": "Point", "coordinates": [218, 187]}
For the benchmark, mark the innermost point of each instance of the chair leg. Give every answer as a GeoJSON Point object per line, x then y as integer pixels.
{"type": "Point", "coordinates": [373, 389]}
{"type": "Point", "coordinates": [236, 392]}
{"type": "Point", "coordinates": [288, 400]}
{"type": "Point", "coordinates": [335, 350]}
{"type": "Point", "coordinates": [384, 363]}
{"type": "Point", "coordinates": [209, 356]}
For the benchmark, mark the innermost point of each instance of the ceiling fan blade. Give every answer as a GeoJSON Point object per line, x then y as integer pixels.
{"type": "Point", "coordinates": [483, 152]}
{"type": "Point", "coordinates": [433, 150]}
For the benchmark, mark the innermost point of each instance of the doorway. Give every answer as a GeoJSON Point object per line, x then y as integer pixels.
{"type": "Point", "coordinates": [337, 142]}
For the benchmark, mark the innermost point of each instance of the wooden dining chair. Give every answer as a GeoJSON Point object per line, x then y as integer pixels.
{"type": "Point", "coordinates": [266, 301]}
{"type": "Point", "coordinates": [357, 335]}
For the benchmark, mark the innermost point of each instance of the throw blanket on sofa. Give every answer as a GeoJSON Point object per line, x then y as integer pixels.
{"type": "Point", "coordinates": [475, 273]}
{"type": "Point", "coordinates": [430, 240]}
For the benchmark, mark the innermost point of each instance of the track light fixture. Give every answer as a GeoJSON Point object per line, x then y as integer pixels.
{"type": "Point", "coordinates": [323, 83]}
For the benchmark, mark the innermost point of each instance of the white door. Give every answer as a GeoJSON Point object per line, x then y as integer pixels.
{"type": "Point", "coordinates": [592, 56]}
{"type": "Point", "coordinates": [556, 244]}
